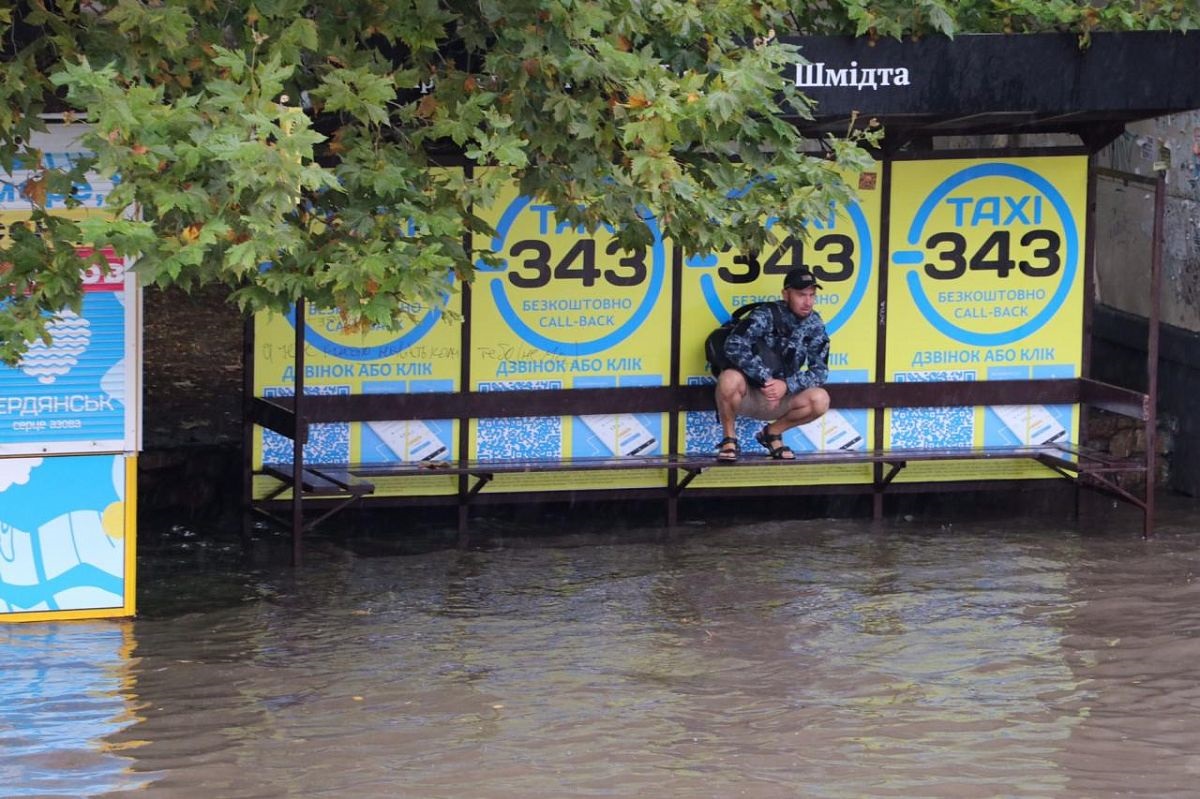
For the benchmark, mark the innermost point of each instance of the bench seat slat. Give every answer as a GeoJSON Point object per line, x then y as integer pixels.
{"type": "Point", "coordinates": [321, 481]}
{"type": "Point", "coordinates": [332, 479]}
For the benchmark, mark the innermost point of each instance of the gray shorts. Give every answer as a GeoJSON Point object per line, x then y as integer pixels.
{"type": "Point", "coordinates": [757, 406]}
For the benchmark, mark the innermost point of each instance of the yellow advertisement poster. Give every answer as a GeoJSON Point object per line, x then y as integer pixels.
{"type": "Point", "coordinates": [985, 282]}
{"type": "Point", "coordinates": [568, 309]}
{"type": "Point", "coordinates": [424, 355]}
{"type": "Point", "coordinates": [842, 250]}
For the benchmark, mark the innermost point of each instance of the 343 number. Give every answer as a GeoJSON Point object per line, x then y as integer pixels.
{"type": "Point", "coordinates": [995, 254]}
{"type": "Point", "coordinates": [837, 250]}
{"type": "Point", "coordinates": [579, 263]}
{"type": "Point", "coordinates": [28, 224]}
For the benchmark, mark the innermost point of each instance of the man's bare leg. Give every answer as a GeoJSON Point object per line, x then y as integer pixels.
{"type": "Point", "coordinates": [731, 390]}
{"type": "Point", "coordinates": [809, 404]}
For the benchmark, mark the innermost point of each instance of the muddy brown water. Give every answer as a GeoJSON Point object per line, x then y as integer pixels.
{"type": "Point", "coordinates": [1006, 658]}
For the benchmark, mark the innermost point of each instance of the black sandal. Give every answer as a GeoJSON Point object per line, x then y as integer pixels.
{"type": "Point", "coordinates": [728, 450]}
{"type": "Point", "coordinates": [774, 445]}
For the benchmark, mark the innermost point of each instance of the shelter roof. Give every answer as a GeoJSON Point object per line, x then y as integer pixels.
{"type": "Point", "coordinates": [997, 83]}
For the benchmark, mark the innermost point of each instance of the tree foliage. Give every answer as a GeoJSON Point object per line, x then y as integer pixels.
{"type": "Point", "coordinates": [284, 148]}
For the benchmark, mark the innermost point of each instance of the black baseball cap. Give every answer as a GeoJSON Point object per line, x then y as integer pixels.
{"type": "Point", "coordinates": [800, 278]}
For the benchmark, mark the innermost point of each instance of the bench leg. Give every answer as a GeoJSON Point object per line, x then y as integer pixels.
{"type": "Point", "coordinates": [672, 512]}
{"type": "Point", "coordinates": [877, 506]}
{"type": "Point", "coordinates": [297, 527]}
{"type": "Point", "coordinates": [1148, 511]}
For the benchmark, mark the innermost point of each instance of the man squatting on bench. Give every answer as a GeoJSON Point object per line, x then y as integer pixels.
{"type": "Point", "coordinates": [788, 396]}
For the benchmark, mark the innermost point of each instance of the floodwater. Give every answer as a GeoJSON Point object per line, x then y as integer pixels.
{"type": "Point", "coordinates": [913, 658]}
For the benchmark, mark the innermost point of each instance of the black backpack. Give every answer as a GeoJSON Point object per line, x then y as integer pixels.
{"type": "Point", "coordinates": [714, 345]}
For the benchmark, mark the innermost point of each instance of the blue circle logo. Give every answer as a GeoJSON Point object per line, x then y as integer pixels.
{"type": "Point", "coordinates": [862, 280]}
{"type": "Point", "coordinates": [916, 256]}
{"type": "Point", "coordinates": [615, 334]}
{"type": "Point", "coordinates": [340, 349]}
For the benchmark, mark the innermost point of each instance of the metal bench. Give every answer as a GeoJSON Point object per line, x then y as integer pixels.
{"type": "Point", "coordinates": [340, 485]}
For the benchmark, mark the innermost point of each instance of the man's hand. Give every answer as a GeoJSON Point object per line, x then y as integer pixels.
{"type": "Point", "coordinates": [774, 389]}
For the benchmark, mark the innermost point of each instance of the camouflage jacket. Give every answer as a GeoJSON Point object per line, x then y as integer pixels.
{"type": "Point", "coordinates": [802, 345]}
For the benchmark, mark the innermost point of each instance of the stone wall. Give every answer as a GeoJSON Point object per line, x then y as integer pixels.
{"type": "Point", "coordinates": [1124, 437]}
{"type": "Point", "coordinates": [1125, 215]}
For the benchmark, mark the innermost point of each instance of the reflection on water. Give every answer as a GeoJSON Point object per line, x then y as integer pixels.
{"type": "Point", "coordinates": [782, 659]}
{"type": "Point", "coordinates": [67, 690]}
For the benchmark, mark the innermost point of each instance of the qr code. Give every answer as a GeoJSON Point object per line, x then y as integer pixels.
{"type": "Point", "coordinates": [520, 437]}
{"type": "Point", "coordinates": [327, 443]}
{"type": "Point", "coordinates": [518, 385]}
{"type": "Point", "coordinates": [914, 428]}
{"type": "Point", "coordinates": [939, 376]}
{"type": "Point", "coordinates": [702, 431]}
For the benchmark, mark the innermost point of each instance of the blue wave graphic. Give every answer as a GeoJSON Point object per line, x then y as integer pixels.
{"type": "Point", "coordinates": [84, 575]}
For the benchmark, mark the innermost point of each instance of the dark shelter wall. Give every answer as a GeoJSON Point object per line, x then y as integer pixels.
{"type": "Point", "coordinates": [1119, 342]}
{"type": "Point", "coordinates": [192, 403]}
